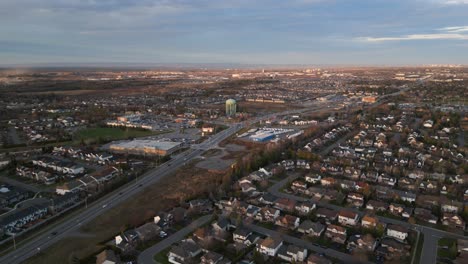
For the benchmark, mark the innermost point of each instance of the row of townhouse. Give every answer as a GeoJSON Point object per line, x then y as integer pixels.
{"type": "Point", "coordinates": [100, 158]}
{"type": "Point", "coordinates": [60, 166]}
{"type": "Point", "coordinates": [89, 181]}
{"type": "Point", "coordinates": [14, 222]}
{"type": "Point", "coordinates": [36, 174]}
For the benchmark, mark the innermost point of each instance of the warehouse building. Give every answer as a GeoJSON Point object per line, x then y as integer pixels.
{"type": "Point", "coordinates": [146, 147]}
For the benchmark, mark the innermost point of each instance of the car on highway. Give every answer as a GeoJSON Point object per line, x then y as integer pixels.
{"type": "Point", "coordinates": [162, 234]}
{"type": "Point", "coordinates": [54, 233]}
{"type": "Point", "coordinates": [104, 205]}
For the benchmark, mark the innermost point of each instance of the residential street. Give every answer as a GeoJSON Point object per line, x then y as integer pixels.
{"type": "Point", "coordinates": [147, 256]}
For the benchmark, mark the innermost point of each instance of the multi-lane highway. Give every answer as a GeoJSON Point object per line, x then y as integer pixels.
{"type": "Point", "coordinates": [62, 230]}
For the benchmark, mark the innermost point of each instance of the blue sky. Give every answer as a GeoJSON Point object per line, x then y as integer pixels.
{"type": "Point", "coordinates": [356, 32]}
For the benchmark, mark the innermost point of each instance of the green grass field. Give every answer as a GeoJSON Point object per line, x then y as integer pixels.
{"type": "Point", "coordinates": [447, 248]}
{"type": "Point", "coordinates": [110, 133]}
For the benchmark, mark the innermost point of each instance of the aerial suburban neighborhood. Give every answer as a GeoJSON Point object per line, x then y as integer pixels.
{"type": "Point", "coordinates": [240, 166]}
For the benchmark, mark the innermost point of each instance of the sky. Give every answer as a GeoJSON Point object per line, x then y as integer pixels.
{"type": "Point", "coordinates": [311, 32]}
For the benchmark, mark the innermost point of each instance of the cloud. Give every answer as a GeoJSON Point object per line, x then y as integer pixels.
{"type": "Point", "coordinates": [416, 37]}
{"type": "Point", "coordinates": [455, 29]}
{"type": "Point", "coordinates": [449, 33]}
{"type": "Point", "coordinates": [454, 2]}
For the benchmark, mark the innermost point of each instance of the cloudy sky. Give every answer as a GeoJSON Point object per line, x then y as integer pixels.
{"type": "Point", "coordinates": [357, 32]}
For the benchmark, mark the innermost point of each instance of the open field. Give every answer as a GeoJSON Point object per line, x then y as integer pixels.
{"type": "Point", "coordinates": [110, 133]}
{"type": "Point", "coordinates": [187, 183]}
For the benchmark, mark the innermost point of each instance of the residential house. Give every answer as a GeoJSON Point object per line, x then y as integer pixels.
{"type": "Point", "coordinates": [348, 218]}
{"type": "Point", "coordinates": [313, 178]}
{"type": "Point", "coordinates": [267, 214]}
{"type": "Point", "coordinates": [348, 185]}
{"type": "Point", "coordinates": [407, 212]}
{"type": "Point", "coordinates": [361, 242]}
{"type": "Point", "coordinates": [252, 211]}
{"type": "Point", "coordinates": [451, 206]}
{"type": "Point", "coordinates": [314, 229]}
{"type": "Point", "coordinates": [212, 257]}
{"type": "Point", "coordinates": [269, 246]}
{"type": "Point", "coordinates": [392, 248]}
{"type": "Point", "coordinates": [398, 232]}
{"type": "Point", "coordinates": [107, 257]}
{"type": "Point", "coordinates": [375, 205]}
{"type": "Point", "coordinates": [328, 181]}
{"type": "Point", "coordinates": [147, 231]}
{"type": "Point", "coordinates": [241, 235]}
{"type": "Point", "coordinates": [336, 233]}
{"type": "Point", "coordinates": [406, 196]}
{"type": "Point", "coordinates": [305, 208]}
{"type": "Point", "coordinates": [201, 205]}
{"type": "Point", "coordinates": [328, 214]}
{"type": "Point", "coordinates": [355, 199]}
{"type": "Point", "coordinates": [369, 222]}
{"type": "Point", "coordinates": [317, 259]}
{"type": "Point", "coordinates": [425, 215]}
{"type": "Point", "coordinates": [453, 220]}
{"type": "Point", "coordinates": [127, 240]}
{"type": "Point", "coordinates": [396, 209]}
{"type": "Point", "coordinates": [184, 252]}
{"type": "Point", "coordinates": [292, 253]}
{"type": "Point", "coordinates": [285, 204]}
{"type": "Point", "coordinates": [288, 221]}
{"type": "Point", "coordinates": [267, 199]}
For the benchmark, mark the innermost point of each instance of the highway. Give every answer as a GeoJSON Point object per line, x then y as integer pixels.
{"type": "Point", "coordinates": [65, 228]}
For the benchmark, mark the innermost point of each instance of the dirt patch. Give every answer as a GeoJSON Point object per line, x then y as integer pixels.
{"type": "Point", "coordinates": [187, 183]}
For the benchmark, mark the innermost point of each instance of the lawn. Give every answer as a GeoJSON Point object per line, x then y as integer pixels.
{"type": "Point", "coordinates": [447, 248]}
{"type": "Point", "coordinates": [161, 257]}
{"type": "Point", "coordinates": [111, 133]}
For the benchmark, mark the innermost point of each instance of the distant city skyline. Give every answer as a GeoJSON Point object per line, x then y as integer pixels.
{"type": "Point", "coordinates": [270, 32]}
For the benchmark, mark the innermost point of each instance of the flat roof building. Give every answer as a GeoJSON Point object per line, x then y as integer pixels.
{"type": "Point", "coordinates": [146, 147]}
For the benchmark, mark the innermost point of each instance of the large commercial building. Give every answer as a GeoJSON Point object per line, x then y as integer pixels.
{"type": "Point", "coordinates": [146, 147]}
{"type": "Point", "coordinates": [231, 107]}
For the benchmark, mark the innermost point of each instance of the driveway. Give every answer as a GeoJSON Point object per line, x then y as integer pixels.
{"type": "Point", "coordinates": [147, 256]}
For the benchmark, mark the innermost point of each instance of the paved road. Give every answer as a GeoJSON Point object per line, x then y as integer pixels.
{"type": "Point", "coordinates": [346, 258]}
{"type": "Point", "coordinates": [147, 256]}
{"type": "Point", "coordinates": [431, 235]}
{"type": "Point", "coordinates": [64, 229]}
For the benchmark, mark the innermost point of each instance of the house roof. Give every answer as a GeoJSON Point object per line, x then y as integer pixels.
{"type": "Point", "coordinates": [398, 228]}
{"type": "Point", "coordinates": [270, 242]}
{"type": "Point", "coordinates": [106, 255]}
{"type": "Point", "coordinates": [348, 214]}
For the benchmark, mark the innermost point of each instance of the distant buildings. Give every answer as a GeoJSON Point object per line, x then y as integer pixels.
{"type": "Point", "coordinates": [231, 107]}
